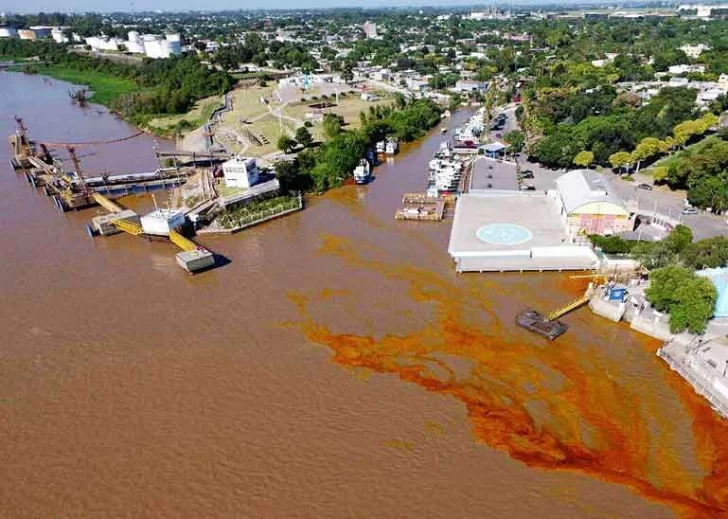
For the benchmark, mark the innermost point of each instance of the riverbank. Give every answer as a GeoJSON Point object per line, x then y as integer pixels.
{"type": "Point", "coordinates": [105, 89]}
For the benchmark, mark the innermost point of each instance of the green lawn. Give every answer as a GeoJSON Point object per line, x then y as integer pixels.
{"type": "Point", "coordinates": [106, 89]}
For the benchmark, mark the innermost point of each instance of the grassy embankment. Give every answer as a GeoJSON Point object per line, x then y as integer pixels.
{"type": "Point", "coordinates": [247, 107]}
{"type": "Point", "coordinates": [105, 88]}
{"type": "Point", "coordinates": [695, 148]}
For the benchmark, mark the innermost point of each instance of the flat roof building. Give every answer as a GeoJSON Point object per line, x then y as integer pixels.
{"type": "Point", "coordinates": [513, 231]}
{"type": "Point", "coordinates": [240, 172]}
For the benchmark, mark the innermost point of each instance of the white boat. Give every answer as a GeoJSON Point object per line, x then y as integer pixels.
{"type": "Point", "coordinates": [381, 146]}
{"type": "Point", "coordinates": [392, 147]}
{"type": "Point", "coordinates": [446, 113]}
{"type": "Point", "coordinates": [363, 172]}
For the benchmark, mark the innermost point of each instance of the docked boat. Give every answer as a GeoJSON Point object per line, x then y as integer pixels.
{"type": "Point", "coordinates": [381, 147]}
{"type": "Point", "coordinates": [392, 147]}
{"type": "Point", "coordinates": [535, 322]}
{"type": "Point", "coordinates": [443, 130]}
{"type": "Point", "coordinates": [363, 172]}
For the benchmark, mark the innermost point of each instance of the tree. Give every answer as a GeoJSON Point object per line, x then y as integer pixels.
{"type": "Point", "coordinates": [286, 173]}
{"type": "Point", "coordinates": [679, 239]}
{"type": "Point", "coordinates": [620, 160]}
{"type": "Point", "coordinates": [286, 144]}
{"type": "Point", "coordinates": [694, 305]}
{"type": "Point", "coordinates": [515, 140]}
{"type": "Point", "coordinates": [664, 283]}
{"type": "Point", "coordinates": [332, 125]}
{"type": "Point", "coordinates": [648, 147]}
{"type": "Point", "coordinates": [584, 159]}
{"type": "Point", "coordinates": [303, 136]}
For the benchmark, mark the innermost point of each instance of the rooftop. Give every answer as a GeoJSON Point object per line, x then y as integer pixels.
{"type": "Point", "coordinates": [584, 186]}
{"type": "Point", "coordinates": [534, 214]}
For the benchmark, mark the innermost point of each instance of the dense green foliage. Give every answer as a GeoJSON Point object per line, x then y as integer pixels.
{"type": "Point", "coordinates": [689, 299]}
{"type": "Point", "coordinates": [613, 244]}
{"type": "Point", "coordinates": [702, 170]}
{"type": "Point", "coordinates": [165, 86]}
{"type": "Point", "coordinates": [245, 214]}
{"type": "Point", "coordinates": [567, 119]}
{"type": "Point", "coordinates": [334, 161]}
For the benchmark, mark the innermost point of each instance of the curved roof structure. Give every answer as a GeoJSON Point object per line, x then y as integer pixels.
{"type": "Point", "coordinates": [583, 187]}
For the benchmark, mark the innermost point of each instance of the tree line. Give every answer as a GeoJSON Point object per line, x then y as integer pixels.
{"type": "Point", "coordinates": [334, 161]}
{"type": "Point", "coordinates": [166, 86]}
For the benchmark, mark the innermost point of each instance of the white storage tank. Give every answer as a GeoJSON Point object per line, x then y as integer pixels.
{"type": "Point", "coordinates": [160, 221]}
{"type": "Point", "coordinates": [174, 44]}
{"type": "Point", "coordinates": [8, 32]}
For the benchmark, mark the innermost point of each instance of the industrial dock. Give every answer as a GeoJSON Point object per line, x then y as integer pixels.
{"type": "Point", "coordinates": [194, 207]}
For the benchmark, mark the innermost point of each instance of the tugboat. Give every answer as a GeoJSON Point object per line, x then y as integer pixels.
{"type": "Point", "coordinates": [363, 172]}
{"type": "Point", "coordinates": [535, 322]}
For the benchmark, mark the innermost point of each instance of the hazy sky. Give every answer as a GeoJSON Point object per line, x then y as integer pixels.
{"type": "Point", "coordinates": [30, 6]}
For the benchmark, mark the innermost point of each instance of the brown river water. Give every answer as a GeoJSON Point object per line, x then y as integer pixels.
{"type": "Point", "coordinates": [336, 367]}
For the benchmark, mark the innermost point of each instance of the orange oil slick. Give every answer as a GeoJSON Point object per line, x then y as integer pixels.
{"type": "Point", "coordinates": [507, 374]}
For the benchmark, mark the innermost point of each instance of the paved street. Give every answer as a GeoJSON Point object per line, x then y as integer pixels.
{"type": "Point", "coordinates": [660, 200]}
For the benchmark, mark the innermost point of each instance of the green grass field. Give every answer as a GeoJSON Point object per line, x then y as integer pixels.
{"type": "Point", "coordinates": [197, 116]}
{"type": "Point", "coordinates": [106, 89]}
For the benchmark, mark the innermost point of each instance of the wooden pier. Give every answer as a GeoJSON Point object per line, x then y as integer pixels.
{"type": "Point", "coordinates": [419, 206]}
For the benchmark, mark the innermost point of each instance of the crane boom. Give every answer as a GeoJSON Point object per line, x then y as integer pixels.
{"type": "Point", "coordinates": [91, 143]}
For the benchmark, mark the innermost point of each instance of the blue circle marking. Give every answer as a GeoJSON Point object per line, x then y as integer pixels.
{"type": "Point", "coordinates": [503, 234]}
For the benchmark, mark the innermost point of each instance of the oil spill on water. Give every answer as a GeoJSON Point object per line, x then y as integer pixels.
{"type": "Point", "coordinates": [549, 407]}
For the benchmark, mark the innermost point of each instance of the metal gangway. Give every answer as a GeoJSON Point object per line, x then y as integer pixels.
{"type": "Point", "coordinates": [573, 305]}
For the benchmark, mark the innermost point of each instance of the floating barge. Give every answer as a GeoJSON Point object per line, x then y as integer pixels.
{"type": "Point", "coordinates": [534, 322]}
{"type": "Point", "coordinates": [547, 325]}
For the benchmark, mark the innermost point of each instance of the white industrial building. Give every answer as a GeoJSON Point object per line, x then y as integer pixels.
{"type": "Point", "coordinates": [240, 172]}
{"type": "Point", "coordinates": [8, 32]}
{"type": "Point", "coordinates": [160, 221]}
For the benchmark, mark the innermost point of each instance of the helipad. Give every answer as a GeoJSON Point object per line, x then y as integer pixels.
{"type": "Point", "coordinates": [503, 234]}
{"type": "Point", "coordinates": [513, 232]}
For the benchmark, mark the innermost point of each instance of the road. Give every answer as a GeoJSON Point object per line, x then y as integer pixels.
{"type": "Point", "coordinates": [659, 200]}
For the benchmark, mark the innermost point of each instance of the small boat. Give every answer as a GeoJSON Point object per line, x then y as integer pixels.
{"type": "Point", "coordinates": [533, 321]}
{"type": "Point", "coordinates": [381, 147]}
{"type": "Point", "coordinates": [363, 172]}
{"type": "Point", "coordinates": [392, 147]}
{"type": "Point", "coordinates": [443, 130]}
{"type": "Point", "coordinates": [446, 113]}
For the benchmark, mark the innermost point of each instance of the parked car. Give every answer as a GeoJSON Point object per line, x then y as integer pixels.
{"type": "Point", "coordinates": [527, 174]}
{"type": "Point", "coordinates": [646, 187]}
{"type": "Point", "coordinates": [528, 187]}
{"type": "Point", "coordinates": [690, 210]}
{"type": "Point", "coordinates": [499, 135]}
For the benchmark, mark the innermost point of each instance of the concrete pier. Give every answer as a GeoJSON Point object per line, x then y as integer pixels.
{"type": "Point", "coordinates": [703, 363]}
